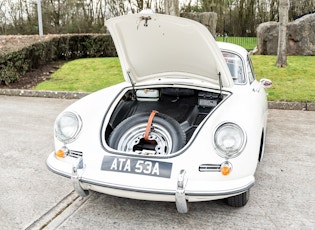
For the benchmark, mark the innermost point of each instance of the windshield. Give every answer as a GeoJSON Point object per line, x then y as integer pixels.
{"type": "Point", "coordinates": [236, 67]}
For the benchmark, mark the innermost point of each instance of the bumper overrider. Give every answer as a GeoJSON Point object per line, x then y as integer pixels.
{"type": "Point", "coordinates": [181, 194]}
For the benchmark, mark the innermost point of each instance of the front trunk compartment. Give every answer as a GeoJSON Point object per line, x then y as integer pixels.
{"type": "Point", "coordinates": [186, 106]}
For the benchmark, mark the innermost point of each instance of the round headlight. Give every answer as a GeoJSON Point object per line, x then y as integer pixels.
{"type": "Point", "coordinates": [229, 140]}
{"type": "Point", "coordinates": [67, 127]}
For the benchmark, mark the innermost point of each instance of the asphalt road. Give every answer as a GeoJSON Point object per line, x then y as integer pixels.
{"type": "Point", "coordinates": [31, 197]}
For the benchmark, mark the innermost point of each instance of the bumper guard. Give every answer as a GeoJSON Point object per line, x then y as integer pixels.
{"type": "Point", "coordinates": [77, 170]}
{"type": "Point", "coordinates": [180, 196]}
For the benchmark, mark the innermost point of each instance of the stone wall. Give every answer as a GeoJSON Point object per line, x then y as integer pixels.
{"type": "Point", "coordinates": [208, 19]}
{"type": "Point", "coordinates": [301, 37]}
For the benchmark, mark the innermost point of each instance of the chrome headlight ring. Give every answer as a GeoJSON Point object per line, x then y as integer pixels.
{"type": "Point", "coordinates": [68, 126]}
{"type": "Point", "coordinates": [229, 140]}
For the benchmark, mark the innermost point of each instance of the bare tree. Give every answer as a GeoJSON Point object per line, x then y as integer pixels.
{"type": "Point", "coordinates": [282, 38]}
{"type": "Point", "coordinates": [172, 7]}
{"type": "Point", "coordinates": [3, 19]}
{"type": "Point", "coordinates": [237, 17]}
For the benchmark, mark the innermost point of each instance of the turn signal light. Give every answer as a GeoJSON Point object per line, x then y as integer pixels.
{"type": "Point", "coordinates": [226, 168]}
{"type": "Point", "coordinates": [60, 153]}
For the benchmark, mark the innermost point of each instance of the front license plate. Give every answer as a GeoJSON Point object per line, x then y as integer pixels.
{"type": "Point", "coordinates": [137, 166]}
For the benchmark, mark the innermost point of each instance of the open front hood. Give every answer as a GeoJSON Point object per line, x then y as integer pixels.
{"type": "Point", "coordinates": [156, 46]}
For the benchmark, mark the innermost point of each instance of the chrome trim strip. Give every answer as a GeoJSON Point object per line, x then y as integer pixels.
{"type": "Point", "coordinates": [209, 168]}
{"type": "Point", "coordinates": [77, 169]}
{"type": "Point", "coordinates": [125, 188]}
{"type": "Point", "coordinates": [180, 197]}
{"type": "Point", "coordinates": [170, 192]}
{"type": "Point", "coordinates": [223, 193]}
{"type": "Point", "coordinates": [75, 154]}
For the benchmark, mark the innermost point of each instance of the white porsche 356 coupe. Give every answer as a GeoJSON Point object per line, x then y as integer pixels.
{"type": "Point", "coordinates": [188, 124]}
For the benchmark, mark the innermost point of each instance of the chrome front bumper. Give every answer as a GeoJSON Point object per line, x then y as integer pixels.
{"type": "Point", "coordinates": [180, 197]}
{"type": "Point", "coordinates": [180, 194]}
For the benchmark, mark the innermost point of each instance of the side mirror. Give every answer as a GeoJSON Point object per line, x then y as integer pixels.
{"type": "Point", "coordinates": [266, 83]}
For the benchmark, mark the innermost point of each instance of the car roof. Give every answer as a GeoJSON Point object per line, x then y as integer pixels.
{"type": "Point", "coordinates": [233, 47]}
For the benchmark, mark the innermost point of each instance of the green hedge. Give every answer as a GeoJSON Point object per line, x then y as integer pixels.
{"type": "Point", "coordinates": [64, 47]}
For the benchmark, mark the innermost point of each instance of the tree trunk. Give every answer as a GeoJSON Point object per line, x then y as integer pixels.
{"type": "Point", "coordinates": [282, 38]}
{"type": "Point", "coordinates": [172, 7]}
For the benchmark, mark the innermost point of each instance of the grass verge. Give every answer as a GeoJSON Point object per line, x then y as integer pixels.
{"type": "Point", "coordinates": [84, 75]}
{"type": "Point", "coordinates": [296, 82]}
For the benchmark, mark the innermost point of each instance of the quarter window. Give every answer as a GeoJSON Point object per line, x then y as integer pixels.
{"type": "Point", "coordinates": [251, 75]}
{"type": "Point", "coordinates": [235, 64]}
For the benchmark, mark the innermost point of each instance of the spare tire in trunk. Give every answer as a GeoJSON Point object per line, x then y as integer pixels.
{"type": "Point", "coordinates": [161, 135]}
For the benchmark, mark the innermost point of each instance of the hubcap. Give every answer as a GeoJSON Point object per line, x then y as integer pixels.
{"type": "Point", "coordinates": [159, 140]}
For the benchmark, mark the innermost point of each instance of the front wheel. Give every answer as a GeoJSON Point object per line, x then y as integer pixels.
{"type": "Point", "coordinates": [239, 200]}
